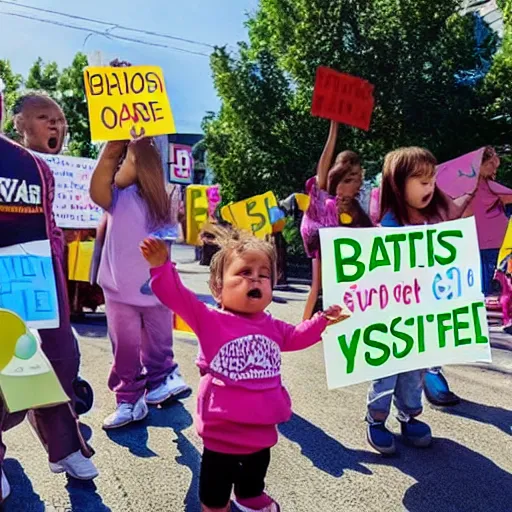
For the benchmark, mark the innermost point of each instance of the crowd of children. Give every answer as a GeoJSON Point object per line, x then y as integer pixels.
{"type": "Point", "coordinates": [241, 397]}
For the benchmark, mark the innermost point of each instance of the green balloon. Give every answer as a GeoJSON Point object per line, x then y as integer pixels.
{"type": "Point", "coordinates": [26, 347]}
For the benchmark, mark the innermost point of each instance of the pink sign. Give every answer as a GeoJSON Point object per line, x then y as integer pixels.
{"type": "Point", "coordinates": [460, 176]}
{"type": "Point", "coordinates": [182, 163]}
{"type": "Point", "coordinates": [213, 195]}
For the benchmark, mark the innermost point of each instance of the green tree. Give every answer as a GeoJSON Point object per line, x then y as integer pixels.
{"type": "Point", "coordinates": [43, 77]}
{"type": "Point", "coordinates": [73, 101]}
{"type": "Point", "coordinates": [12, 81]}
{"type": "Point", "coordinates": [264, 137]}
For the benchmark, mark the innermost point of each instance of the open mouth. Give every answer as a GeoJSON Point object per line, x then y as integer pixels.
{"type": "Point", "coordinates": [255, 294]}
{"type": "Point", "coordinates": [53, 142]}
{"type": "Point", "coordinates": [426, 199]}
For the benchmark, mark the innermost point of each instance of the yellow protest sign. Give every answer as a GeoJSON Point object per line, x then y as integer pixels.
{"type": "Point", "coordinates": [196, 201]}
{"type": "Point", "coordinates": [121, 98]}
{"type": "Point", "coordinates": [27, 379]}
{"type": "Point", "coordinates": [252, 214]}
{"type": "Point", "coordinates": [79, 260]}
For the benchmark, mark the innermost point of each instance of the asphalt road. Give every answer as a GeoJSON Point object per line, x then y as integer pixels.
{"type": "Point", "coordinates": [322, 462]}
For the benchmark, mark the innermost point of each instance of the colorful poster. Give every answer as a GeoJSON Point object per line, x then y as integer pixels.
{"type": "Point", "coordinates": [201, 202]}
{"type": "Point", "coordinates": [415, 297]}
{"type": "Point", "coordinates": [343, 98]}
{"type": "Point", "coordinates": [72, 206]}
{"type": "Point", "coordinates": [182, 164]}
{"type": "Point", "coordinates": [256, 214]}
{"type": "Point", "coordinates": [460, 175]}
{"type": "Point", "coordinates": [27, 379]}
{"type": "Point", "coordinates": [121, 98]}
{"type": "Point", "coordinates": [27, 284]}
{"type": "Point", "coordinates": [196, 204]}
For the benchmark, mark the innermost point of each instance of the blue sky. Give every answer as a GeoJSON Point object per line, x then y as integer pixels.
{"type": "Point", "coordinates": [188, 77]}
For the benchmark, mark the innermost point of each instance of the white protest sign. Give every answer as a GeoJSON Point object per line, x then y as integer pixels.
{"type": "Point", "coordinates": [415, 296]}
{"type": "Point", "coordinates": [72, 205]}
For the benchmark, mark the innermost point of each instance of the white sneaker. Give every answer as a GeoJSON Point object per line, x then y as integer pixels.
{"type": "Point", "coordinates": [126, 413]}
{"type": "Point", "coordinates": [172, 387]}
{"type": "Point", "coordinates": [6, 488]}
{"type": "Point", "coordinates": [76, 465]}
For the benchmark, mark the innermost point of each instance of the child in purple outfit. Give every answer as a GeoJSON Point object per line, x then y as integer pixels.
{"type": "Point", "coordinates": [241, 398]}
{"type": "Point", "coordinates": [333, 201]}
{"type": "Point", "coordinates": [140, 327]}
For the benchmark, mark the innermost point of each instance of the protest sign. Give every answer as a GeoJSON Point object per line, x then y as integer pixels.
{"type": "Point", "coordinates": [27, 284]}
{"type": "Point", "coordinates": [201, 203]}
{"type": "Point", "coordinates": [27, 379]}
{"type": "Point", "coordinates": [72, 205]}
{"type": "Point", "coordinates": [415, 298]}
{"type": "Point", "coordinates": [343, 98]}
{"type": "Point", "coordinates": [253, 214]}
{"type": "Point", "coordinates": [120, 98]}
{"type": "Point", "coordinates": [182, 163]}
{"type": "Point", "coordinates": [196, 204]}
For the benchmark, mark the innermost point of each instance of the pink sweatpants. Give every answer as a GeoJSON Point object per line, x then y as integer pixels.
{"type": "Point", "coordinates": [142, 344]}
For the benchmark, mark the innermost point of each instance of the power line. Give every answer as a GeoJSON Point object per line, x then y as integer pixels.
{"type": "Point", "coordinates": [107, 35]}
{"type": "Point", "coordinates": [114, 25]}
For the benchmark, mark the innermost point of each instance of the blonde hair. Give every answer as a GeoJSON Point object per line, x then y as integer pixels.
{"type": "Point", "coordinates": [233, 241]}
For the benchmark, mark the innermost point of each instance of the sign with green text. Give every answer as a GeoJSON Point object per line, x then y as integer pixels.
{"type": "Point", "coordinates": [415, 298]}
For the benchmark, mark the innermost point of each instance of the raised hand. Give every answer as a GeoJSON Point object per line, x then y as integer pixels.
{"type": "Point", "coordinates": [155, 252]}
{"type": "Point", "coordinates": [335, 314]}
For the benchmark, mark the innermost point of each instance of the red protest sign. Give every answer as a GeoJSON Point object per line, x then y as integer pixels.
{"type": "Point", "coordinates": [343, 98]}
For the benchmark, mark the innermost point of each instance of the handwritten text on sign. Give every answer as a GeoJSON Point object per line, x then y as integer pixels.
{"type": "Point", "coordinates": [121, 98]}
{"type": "Point", "coordinates": [27, 284]}
{"type": "Point", "coordinates": [343, 98]}
{"type": "Point", "coordinates": [253, 214]}
{"type": "Point", "coordinates": [415, 298]}
{"type": "Point", "coordinates": [72, 204]}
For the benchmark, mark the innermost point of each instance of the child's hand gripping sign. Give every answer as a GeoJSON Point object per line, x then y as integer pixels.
{"type": "Point", "coordinates": [342, 98]}
{"type": "Point", "coordinates": [121, 99]}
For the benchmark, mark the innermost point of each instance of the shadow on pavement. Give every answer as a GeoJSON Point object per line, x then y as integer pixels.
{"type": "Point", "coordinates": [91, 326]}
{"type": "Point", "coordinates": [84, 498]}
{"type": "Point", "coordinates": [452, 478]}
{"type": "Point", "coordinates": [325, 452]}
{"type": "Point", "coordinates": [22, 495]}
{"type": "Point", "coordinates": [175, 417]}
{"type": "Point", "coordinates": [449, 476]}
{"type": "Point", "coordinates": [496, 416]}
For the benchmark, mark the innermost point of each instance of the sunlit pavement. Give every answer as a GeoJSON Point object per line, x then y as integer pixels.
{"type": "Point", "coordinates": [322, 462]}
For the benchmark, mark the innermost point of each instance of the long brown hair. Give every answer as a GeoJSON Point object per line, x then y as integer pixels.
{"type": "Point", "coordinates": [399, 165]}
{"type": "Point", "coordinates": [345, 163]}
{"type": "Point", "coordinates": [150, 180]}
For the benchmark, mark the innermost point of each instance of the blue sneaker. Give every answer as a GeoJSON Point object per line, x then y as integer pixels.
{"type": "Point", "coordinates": [437, 390]}
{"type": "Point", "coordinates": [416, 433]}
{"type": "Point", "coordinates": [380, 438]}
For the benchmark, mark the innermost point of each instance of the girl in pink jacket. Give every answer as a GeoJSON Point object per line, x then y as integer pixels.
{"type": "Point", "coordinates": [241, 398]}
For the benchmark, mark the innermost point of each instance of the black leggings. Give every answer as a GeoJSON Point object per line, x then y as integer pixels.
{"type": "Point", "coordinates": [220, 471]}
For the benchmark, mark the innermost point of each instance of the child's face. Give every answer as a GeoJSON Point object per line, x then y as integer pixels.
{"type": "Point", "coordinates": [42, 125]}
{"type": "Point", "coordinates": [247, 283]}
{"type": "Point", "coordinates": [419, 191]}
{"type": "Point", "coordinates": [489, 169]}
{"type": "Point", "coordinates": [127, 174]}
{"type": "Point", "coordinates": [348, 188]}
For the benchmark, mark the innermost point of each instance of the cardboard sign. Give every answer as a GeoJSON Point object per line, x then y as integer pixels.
{"type": "Point", "coordinates": [80, 256]}
{"type": "Point", "coordinates": [182, 163]}
{"type": "Point", "coordinates": [415, 297]}
{"type": "Point", "coordinates": [72, 205]}
{"type": "Point", "coordinates": [122, 98]}
{"type": "Point", "coordinates": [27, 284]}
{"type": "Point", "coordinates": [27, 379]}
{"type": "Point", "coordinates": [253, 214]}
{"type": "Point", "coordinates": [343, 98]}
{"type": "Point", "coordinates": [196, 203]}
